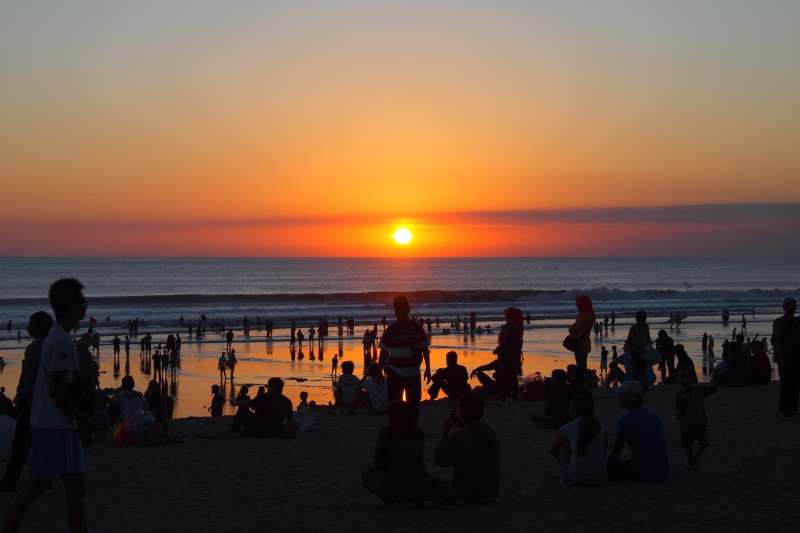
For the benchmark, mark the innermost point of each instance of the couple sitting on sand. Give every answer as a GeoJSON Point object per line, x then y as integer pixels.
{"type": "Point", "coordinates": [581, 445]}
{"type": "Point", "coordinates": [269, 414]}
{"type": "Point", "coordinates": [471, 448]}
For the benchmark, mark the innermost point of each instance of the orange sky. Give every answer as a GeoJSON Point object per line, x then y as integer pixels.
{"type": "Point", "coordinates": [155, 116]}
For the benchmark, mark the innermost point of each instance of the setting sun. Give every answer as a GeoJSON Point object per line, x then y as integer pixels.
{"type": "Point", "coordinates": [402, 236]}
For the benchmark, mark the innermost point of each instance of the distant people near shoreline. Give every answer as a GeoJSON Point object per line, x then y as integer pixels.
{"type": "Point", "coordinates": [404, 345]}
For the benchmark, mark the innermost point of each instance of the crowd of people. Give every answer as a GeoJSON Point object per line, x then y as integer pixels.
{"type": "Point", "coordinates": [59, 404]}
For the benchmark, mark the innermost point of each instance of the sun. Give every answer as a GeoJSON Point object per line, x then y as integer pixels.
{"type": "Point", "coordinates": [402, 236]}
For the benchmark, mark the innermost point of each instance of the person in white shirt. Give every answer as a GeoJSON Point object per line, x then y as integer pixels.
{"type": "Point", "coordinates": [58, 428]}
{"type": "Point", "coordinates": [581, 446]}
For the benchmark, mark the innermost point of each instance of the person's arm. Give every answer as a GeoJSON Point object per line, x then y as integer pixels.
{"type": "Point", "coordinates": [445, 452]}
{"type": "Point", "coordinates": [559, 440]}
{"type": "Point", "coordinates": [484, 368]}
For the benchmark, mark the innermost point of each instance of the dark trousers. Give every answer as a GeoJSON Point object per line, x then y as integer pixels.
{"type": "Point", "coordinates": [580, 359]}
{"type": "Point", "coordinates": [396, 384]}
{"type": "Point", "coordinates": [20, 447]}
{"type": "Point", "coordinates": [790, 389]}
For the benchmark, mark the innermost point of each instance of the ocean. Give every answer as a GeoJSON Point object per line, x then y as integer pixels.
{"type": "Point", "coordinates": [160, 290]}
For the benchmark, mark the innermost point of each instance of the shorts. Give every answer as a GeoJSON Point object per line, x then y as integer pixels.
{"type": "Point", "coordinates": [55, 452]}
{"type": "Point", "coordinates": [689, 436]}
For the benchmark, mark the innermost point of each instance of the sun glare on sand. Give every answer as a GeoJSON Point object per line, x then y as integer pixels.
{"type": "Point", "coordinates": [402, 236]}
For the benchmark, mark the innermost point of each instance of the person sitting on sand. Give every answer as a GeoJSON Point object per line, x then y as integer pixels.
{"type": "Point", "coordinates": [303, 401]}
{"type": "Point", "coordinates": [242, 404]}
{"type": "Point", "coordinates": [557, 398]}
{"type": "Point", "coordinates": [348, 388]}
{"type": "Point", "coordinates": [472, 449]}
{"type": "Point", "coordinates": [376, 391]}
{"type": "Point", "coordinates": [642, 432]}
{"type": "Point", "coordinates": [452, 379]}
{"type": "Point", "coordinates": [272, 413]}
{"type": "Point", "coordinates": [398, 472]}
{"type": "Point", "coordinates": [217, 401]}
{"type": "Point", "coordinates": [581, 446]}
{"type": "Point", "coordinates": [125, 403]}
{"type": "Point", "coordinates": [692, 417]}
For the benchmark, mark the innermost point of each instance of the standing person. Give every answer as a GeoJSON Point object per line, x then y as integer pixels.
{"type": "Point", "coordinates": [603, 361]}
{"type": "Point", "coordinates": [38, 327]}
{"type": "Point", "coordinates": [786, 346]}
{"type": "Point", "coordinates": [58, 427]}
{"type": "Point", "coordinates": [229, 339]}
{"type": "Point", "coordinates": [638, 341]}
{"type": "Point", "coordinates": [404, 345]}
{"type": "Point", "coordinates": [711, 347]}
{"type": "Point", "coordinates": [116, 344]}
{"type": "Point", "coordinates": [580, 330]}
{"type": "Point", "coordinates": [704, 343]}
{"type": "Point", "coordinates": [509, 353]}
{"type": "Point", "coordinates": [217, 401]}
{"type": "Point", "coordinates": [666, 348]}
{"type": "Point", "coordinates": [222, 364]}
{"type": "Point", "coordinates": [232, 362]}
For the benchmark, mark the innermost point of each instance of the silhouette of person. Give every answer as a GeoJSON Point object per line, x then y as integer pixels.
{"type": "Point", "coordinates": [404, 345]}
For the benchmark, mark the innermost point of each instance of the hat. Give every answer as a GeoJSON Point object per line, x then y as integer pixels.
{"type": "Point", "coordinates": [630, 387]}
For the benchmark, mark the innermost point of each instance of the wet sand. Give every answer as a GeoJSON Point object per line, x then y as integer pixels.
{"type": "Point", "coordinates": [259, 359]}
{"type": "Point", "coordinates": [215, 482]}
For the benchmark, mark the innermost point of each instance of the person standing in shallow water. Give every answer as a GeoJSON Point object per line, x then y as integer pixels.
{"type": "Point", "coordinates": [581, 330]}
{"type": "Point", "coordinates": [404, 345]}
{"type": "Point", "coordinates": [786, 340]}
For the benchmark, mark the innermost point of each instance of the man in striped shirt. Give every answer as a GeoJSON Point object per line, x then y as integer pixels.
{"type": "Point", "coordinates": [404, 346]}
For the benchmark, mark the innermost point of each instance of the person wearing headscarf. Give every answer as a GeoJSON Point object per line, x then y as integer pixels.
{"type": "Point", "coordinates": [581, 329]}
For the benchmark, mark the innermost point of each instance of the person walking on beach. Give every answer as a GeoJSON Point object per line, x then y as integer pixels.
{"type": "Point", "coordinates": [710, 347]}
{"type": "Point", "coordinates": [603, 361]}
{"type": "Point", "coordinates": [580, 330]}
{"type": "Point", "coordinates": [404, 345]}
{"type": "Point", "coordinates": [786, 347]}
{"type": "Point", "coordinates": [222, 364]}
{"type": "Point", "coordinates": [59, 429]}
{"type": "Point", "coordinates": [232, 362]}
{"type": "Point", "coordinates": [229, 339]}
{"type": "Point", "coordinates": [38, 327]}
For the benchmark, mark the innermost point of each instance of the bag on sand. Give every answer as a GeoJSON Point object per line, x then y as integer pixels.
{"type": "Point", "coordinates": [571, 343]}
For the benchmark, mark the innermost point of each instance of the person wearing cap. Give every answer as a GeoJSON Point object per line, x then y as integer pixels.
{"type": "Point", "coordinates": [643, 433]}
{"type": "Point", "coordinates": [404, 345]}
{"type": "Point", "coordinates": [786, 343]}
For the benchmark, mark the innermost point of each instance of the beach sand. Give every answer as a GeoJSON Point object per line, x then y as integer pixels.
{"type": "Point", "coordinates": [215, 482]}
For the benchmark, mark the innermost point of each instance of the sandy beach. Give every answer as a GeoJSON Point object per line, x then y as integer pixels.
{"type": "Point", "coordinates": [215, 482]}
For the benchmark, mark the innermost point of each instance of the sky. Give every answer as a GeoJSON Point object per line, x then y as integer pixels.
{"type": "Point", "coordinates": [317, 128]}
